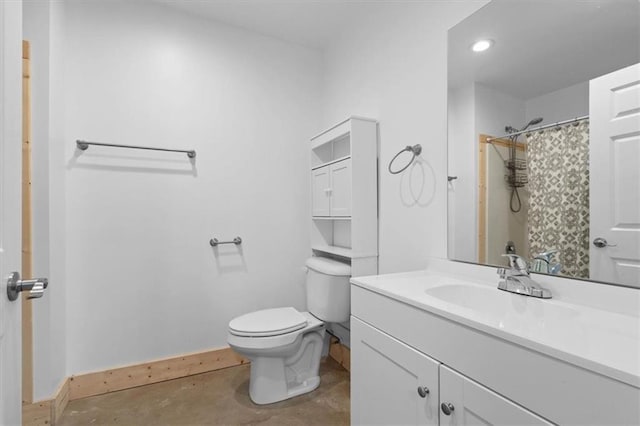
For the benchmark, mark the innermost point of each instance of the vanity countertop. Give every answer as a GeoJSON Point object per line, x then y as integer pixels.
{"type": "Point", "coordinates": [607, 342]}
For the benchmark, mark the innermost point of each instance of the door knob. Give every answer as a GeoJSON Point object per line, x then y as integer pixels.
{"type": "Point", "coordinates": [601, 242]}
{"type": "Point", "coordinates": [447, 408]}
{"type": "Point", "coordinates": [15, 285]}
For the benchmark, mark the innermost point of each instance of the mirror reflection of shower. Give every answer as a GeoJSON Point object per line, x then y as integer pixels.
{"type": "Point", "coordinates": [516, 176]}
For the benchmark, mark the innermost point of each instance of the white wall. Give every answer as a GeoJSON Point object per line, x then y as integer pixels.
{"type": "Point", "coordinates": [476, 109]}
{"type": "Point", "coordinates": [139, 272]}
{"type": "Point", "coordinates": [392, 66]}
{"type": "Point", "coordinates": [462, 163]}
{"type": "Point", "coordinates": [494, 111]}
{"type": "Point", "coordinates": [142, 281]}
{"type": "Point", "coordinates": [563, 104]}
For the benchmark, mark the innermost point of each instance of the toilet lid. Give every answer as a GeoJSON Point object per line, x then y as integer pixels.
{"type": "Point", "coordinates": [268, 322]}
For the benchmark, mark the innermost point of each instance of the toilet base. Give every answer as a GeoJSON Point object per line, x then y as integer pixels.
{"type": "Point", "coordinates": [275, 379]}
{"type": "Point", "coordinates": [268, 392]}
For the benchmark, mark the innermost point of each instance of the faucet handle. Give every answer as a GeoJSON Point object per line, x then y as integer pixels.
{"type": "Point", "coordinates": [555, 269]}
{"type": "Point", "coordinates": [518, 263]}
{"type": "Point", "coordinates": [547, 255]}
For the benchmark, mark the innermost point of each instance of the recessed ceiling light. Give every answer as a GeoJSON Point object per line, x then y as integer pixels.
{"type": "Point", "coordinates": [481, 45]}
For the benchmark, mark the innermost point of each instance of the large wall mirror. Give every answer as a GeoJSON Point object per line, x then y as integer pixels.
{"type": "Point", "coordinates": [544, 137]}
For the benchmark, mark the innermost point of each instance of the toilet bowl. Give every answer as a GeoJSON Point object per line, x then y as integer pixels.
{"type": "Point", "coordinates": [284, 345]}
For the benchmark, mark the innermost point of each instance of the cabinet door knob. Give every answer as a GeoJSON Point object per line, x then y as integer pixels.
{"type": "Point", "coordinates": [423, 391]}
{"type": "Point", "coordinates": [447, 408]}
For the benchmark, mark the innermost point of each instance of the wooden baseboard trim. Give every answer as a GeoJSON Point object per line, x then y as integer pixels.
{"type": "Point", "coordinates": [60, 401]}
{"type": "Point", "coordinates": [340, 353]}
{"type": "Point", "coordinates": [48, 412]}
{"type": "Point", "coordinates": [37, 413]}
{"type": "Point", "coordinates": [101, 382]}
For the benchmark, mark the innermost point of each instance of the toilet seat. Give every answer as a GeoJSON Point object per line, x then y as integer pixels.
{"type": "Point", "coordinates": [253, 342]}
{"type": "Point", "coordinates": [268, 322]}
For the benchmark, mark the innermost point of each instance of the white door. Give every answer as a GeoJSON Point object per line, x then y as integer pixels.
{"type": "Point", "coordinates": [341, 188]}
{"type": "Point", "coordinates": [614, 156]}
{"type": "Point", "coordinates": [465, 402]}
{"type": "Point", "coordinates": [320, 192]}
{"type": "Point", "coordinates": [10, 207]}
{"type": "Point", "coordinates": [391, 383]}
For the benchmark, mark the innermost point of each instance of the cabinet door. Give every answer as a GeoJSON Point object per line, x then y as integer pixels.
{"type": "Point", "coordinates": [320, 192]}
{"type": "Point", "coordinates": [474, 404]}
{"type": "Point", "coordinates": [385, 377]}
{"type": "Point", "coordinates": [341, 188]}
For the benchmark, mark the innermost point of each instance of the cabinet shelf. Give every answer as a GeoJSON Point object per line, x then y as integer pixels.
{"type": "Point", "coordinates": [331, 217]}
{"type": "Point", "coordinates": [343, 252]}
{"type": "Point", "coordinates": [328, 163]}
{"type": "Point", "coordinates": [338, 251]}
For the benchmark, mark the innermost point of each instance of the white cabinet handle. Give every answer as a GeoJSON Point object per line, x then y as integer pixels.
{"type": "Point", "coordinates": [447, 408]}
{"type": "Point", "coordinates": [423, 391]}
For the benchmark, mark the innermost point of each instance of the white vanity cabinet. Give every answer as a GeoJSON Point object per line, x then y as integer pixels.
{"type": "Point", "coordinates": [391, 383]}
{"type": "Point", "coordinates": [397, 347]}
{"type": "Point", "coordinates": [394, 384]}
{"type": "Point", "coordinates": [465, 402]}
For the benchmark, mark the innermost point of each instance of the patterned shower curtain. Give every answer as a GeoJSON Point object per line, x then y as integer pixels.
{"type": "Point", "coordinates": [558, 168]}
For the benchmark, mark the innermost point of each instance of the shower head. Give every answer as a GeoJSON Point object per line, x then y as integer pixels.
{"type": "Point", "coordinates": [532, 122]}
{"type": "Point", "coordinates": [511, 129]}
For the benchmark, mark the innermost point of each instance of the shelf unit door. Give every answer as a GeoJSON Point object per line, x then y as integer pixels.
{"type": "Point", "coordinates": [476, 405]}
{"type": "Point", "coordinates": [321, 192]}
{"type": "Point", "coordinates": [385, 376]}
{"type": "Point", "coordinates": [341, 188]}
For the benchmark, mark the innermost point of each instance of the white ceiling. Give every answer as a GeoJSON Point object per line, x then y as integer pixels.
{"type": "Point", "coordinates": [540, 45]}
{"type": "Point", "coordinates": [543, 46]}
{"type": "Point", "coordinates": [311, 23]}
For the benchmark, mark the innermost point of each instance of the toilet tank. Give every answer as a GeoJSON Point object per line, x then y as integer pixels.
{"type": "Point", "coordinates": [328, 293]}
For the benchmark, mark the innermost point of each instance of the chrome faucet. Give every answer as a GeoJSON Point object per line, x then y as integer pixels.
{"type": "Point", "coordinates": [517, 279]}
{"type": "Point", "coordinates": [542, 263]}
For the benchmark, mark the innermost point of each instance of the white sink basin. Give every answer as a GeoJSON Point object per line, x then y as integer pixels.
{"type": "Point", "coordinates": [469, 296]}
{"type": "Point", "coordinates": [503, 310]}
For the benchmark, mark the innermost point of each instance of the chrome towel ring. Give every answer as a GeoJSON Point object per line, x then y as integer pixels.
{"type": "Point", "coordinates": [415, 150]}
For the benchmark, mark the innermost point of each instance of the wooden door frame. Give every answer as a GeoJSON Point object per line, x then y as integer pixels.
{"type": "Point", "coordinates": [27, 249]}
{"type": "Point", "coordinates": [482, 188]}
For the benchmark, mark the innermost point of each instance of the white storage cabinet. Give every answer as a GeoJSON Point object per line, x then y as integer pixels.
{"type": "Point", "coordinates": [344, 194]}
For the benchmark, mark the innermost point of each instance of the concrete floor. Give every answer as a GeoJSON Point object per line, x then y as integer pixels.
{"type": "Point", "coordinates": [217, 398]}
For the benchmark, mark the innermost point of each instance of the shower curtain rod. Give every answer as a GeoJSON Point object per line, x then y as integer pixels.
{"type": "Point", "coordinates": [546, 126]}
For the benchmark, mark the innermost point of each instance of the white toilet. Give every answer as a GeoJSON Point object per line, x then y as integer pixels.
{"type": "Point", "coordinates": [285, 345]}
